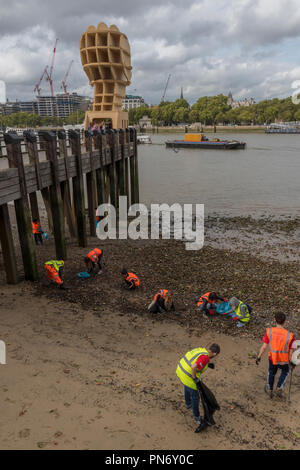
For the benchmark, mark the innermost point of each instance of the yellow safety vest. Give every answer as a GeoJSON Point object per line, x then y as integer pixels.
{"type": "Point", "coordinates": [238, 313]}
{"type": "Point", "coordinates": [56, 264]}
{"type": "Point", "coordinates": [184, 368]}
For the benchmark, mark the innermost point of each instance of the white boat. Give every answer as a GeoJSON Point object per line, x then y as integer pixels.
{"type": "Point", "coordinates": [143, 139]}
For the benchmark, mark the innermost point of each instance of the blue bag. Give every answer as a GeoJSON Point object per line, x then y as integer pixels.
{"type": "Point", "coordinates": [83, 275]}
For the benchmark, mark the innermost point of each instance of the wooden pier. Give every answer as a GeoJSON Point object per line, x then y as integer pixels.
{"type": "Point", "coordinates": [104, 162]}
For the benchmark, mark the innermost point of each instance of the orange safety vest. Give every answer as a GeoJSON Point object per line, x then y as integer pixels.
{"type": "Point", "coordinates": [162, 293]}
{"type": "Point", "coordinates": [53, 274]}
{"type": "Point", "coordinates": [134, 278]}
{"type": "Point", "coordinates": [280, 339]}
{"type": "Point", "coordinates": [94, 255]}
{"type": "Point", "coordinates": [204, 296]}
{"type": "Point", "coordinates": [36, 227]}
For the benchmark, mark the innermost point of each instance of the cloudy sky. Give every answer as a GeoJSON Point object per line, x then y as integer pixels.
{"type": "Point", "coordinates": [209, 47]}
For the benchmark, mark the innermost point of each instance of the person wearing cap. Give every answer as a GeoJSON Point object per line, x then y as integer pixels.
{"type": "Point", "coordinates": [280, 342]}
{"type": "Point", "coordinates": [131, 279]}
{"type": "Point", "coordinates": [189, 370]}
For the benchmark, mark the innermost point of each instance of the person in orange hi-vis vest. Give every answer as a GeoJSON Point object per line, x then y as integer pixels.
{"type": "Point", "coordinates": [162, 302]}
{"type": "Point", "coordinates": [131, 279]}
{"type": "Point", "coordinates": [280, 342]}
{"type": "Point", "coordinates": [54, 269]}
{"type": "Point", "coordinates": [93, 259]}
{"type": "Point", "coordinates": [207, 302]}
{"type": "Point", "coordinates": [36, 230]}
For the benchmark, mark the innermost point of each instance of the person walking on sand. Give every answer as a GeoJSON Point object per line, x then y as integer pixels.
{"type": "Point", "coordinates": [131, 279]}
{"type": "Point", "coordinates": [94, 258]}
{"type": "Point", "coordinates": [280, 343]}
{"type": "Point", "coordinates": [189, 370]}
{"type": "Point", "coordinates": [162, 302]}
{"type": "Point", "coordinates": [54, 269]}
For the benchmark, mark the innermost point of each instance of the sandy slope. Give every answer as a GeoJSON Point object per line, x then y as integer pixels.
{"type": "Point", "coordinates": [76, 380]}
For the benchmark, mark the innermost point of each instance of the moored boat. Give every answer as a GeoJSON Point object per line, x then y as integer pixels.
{"type": "Point", "coordinates": [199, 141]}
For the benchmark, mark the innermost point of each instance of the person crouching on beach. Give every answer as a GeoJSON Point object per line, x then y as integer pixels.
{"type": "Point", "coordinates": [240, 311]}
{"type": "Point", "coordinates": [131, 280]}
{"type": "Point", "coordinates": [207, 302]}
{"type": "Point", "coordinates": [162, 302]}
{"type": "Point", "coordinates": [94, 258]}
{"type": "Point", "coordinates": [54, 269]}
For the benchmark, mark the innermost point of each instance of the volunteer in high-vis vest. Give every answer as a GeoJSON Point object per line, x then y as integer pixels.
{"type": "Point", "coordinates": [207, 302]}
{"type": "Point", "coordinates": [37, 231]}
{"type": "Point", "coordinates": [241, 311]}
{"type": "Point", "coordinates": [131, 279]}
{"type": "Point", "coordinates": [162, 302]}
{"type": "Point", "coordinates": [280, 342]}
{"type": "Point", "coordinates": [54, 269]}
{"type": "Point", "coordinates": [189, 370]}
{"type": "Point", "coordinates": [92, 259]}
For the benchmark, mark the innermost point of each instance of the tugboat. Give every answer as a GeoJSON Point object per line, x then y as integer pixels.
{"type": "Point", "coordinates": [199, 141]}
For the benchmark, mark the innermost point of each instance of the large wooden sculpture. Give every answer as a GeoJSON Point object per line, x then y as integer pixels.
{"type": "Point", "coordinates": [105, 56]}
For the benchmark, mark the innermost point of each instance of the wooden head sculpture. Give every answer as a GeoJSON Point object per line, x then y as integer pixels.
{"type": "Point", "coordinates": [105, 56]}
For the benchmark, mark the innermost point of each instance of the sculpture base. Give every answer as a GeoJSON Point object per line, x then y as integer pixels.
{"type": "Point", "coordinates": [119, 118]}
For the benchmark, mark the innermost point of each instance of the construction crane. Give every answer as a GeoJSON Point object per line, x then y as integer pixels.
{"type": "Point", "coordinates": [163, 96]}
{"type": "Point", "coordinates": [37, 86]}
{"type": "Point", "coordinates": [49, 75]}
{"type": "Point", "coordinates": [63, 83]}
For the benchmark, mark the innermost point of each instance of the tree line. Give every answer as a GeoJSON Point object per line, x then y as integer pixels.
{"type": "Point", "coordinates": [25, 120]}
{"type": "Point", "coordinates": [209, 110]}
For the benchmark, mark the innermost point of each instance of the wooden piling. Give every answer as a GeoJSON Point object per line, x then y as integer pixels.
{"type": "Point", "coordinates": [52, 177]}
{"type": "Point", "coordinates": [65, 185]}
{"type": "Point", "coordinates": [55, 197]}
{"type": "Point", "coordinates": [100, 175]}
{"type": "Point", "coordinates": [8, 249]}
{"type": "Point", "coordinates": [78, 189]}
{"type": "Point", "coordinates": [91, 186]}
{"type": "Point", "coordinates": [32, 147]}
{"type": "Point", "coordinates": [13, 145]}
{"type": "Point", "coordinates": [112, 169]}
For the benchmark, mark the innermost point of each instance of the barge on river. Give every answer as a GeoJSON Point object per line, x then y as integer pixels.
{"type": "Point", "coordinates": [199, 141]}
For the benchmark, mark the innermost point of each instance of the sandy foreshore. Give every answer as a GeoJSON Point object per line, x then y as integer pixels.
{"type": "Point", "coordinates": [89, 368]}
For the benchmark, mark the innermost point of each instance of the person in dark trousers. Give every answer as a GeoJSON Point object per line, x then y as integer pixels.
{"type": "Point", "coordinates": [207, 302]}
{"type": "Point", "coordinates": [131, 279]}
{"type": "Point", "coordinates": [162, 302]}
{"type": "Point", "coordinates": [94, 258]}
{"type": "Point", "coordinates": [37, 231]}
{"type": "Point", "coordinates": [189, 370]}
{"type": "Point", "coordinates": [280, 342]}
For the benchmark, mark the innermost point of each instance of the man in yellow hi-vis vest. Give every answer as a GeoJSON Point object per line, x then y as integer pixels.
{"type": "Point", "coordinates": [189, 370]}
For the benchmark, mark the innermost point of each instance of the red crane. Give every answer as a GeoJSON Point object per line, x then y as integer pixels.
{"type": "Point", "coordinates": [49, 75]}
{"type": "Point", "coordinates": [63, 83]}
{"type": "Point", "coordinates": [37, 86]}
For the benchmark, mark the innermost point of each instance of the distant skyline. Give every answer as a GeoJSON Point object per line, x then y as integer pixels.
{"type": "Point", "coordinates": [247, 46]}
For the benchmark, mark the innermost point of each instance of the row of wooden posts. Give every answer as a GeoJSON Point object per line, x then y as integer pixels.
{"type": "Point", "coordinates": [107, 161]}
